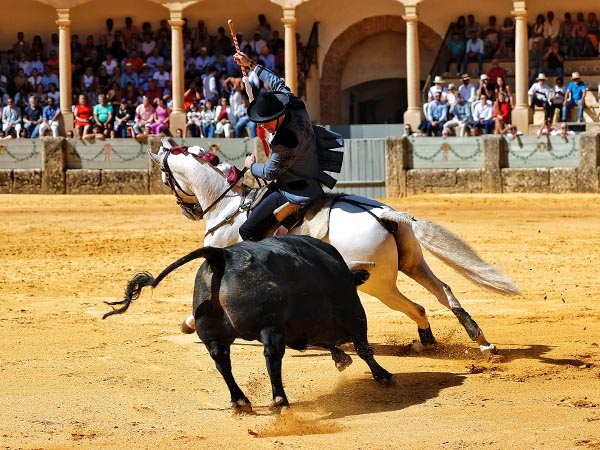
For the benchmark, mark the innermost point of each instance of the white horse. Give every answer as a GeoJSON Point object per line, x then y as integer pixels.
{"type": "Point", "coordinates": [357, 232]}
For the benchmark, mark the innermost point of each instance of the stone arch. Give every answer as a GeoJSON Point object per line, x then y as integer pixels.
{"type": "Point", "coordinates": [339, 52]}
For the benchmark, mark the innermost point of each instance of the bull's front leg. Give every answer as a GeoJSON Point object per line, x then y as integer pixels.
{"type": "Point", "coordinates": [220, 353]}
{"type": "Point", "coordinates": [273, 341]}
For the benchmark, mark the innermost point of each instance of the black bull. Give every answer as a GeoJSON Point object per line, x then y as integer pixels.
{"type": "Point", "coordinates": [288, 290]}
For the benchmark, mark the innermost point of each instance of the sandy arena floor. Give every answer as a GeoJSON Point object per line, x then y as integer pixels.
{"type": "Point", "coordinates": [71, 380]}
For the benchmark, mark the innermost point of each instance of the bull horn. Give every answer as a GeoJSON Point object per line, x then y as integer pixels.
{"type": "Point", "coordinates": [153, 156]}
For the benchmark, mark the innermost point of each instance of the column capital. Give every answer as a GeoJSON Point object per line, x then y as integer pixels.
{"type": "Point", "coordinates": [64, 18]}
{"type": "Point", "coordinates": [288, 4]}
{"type": "Point", "coordinates": [411, 14]}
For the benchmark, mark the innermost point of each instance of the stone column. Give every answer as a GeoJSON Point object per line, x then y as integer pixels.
{"type": "Point", "coordinates": [64, 68]}
{"type": "Point", "coordinates": [291, 64]}
{"type": "Point", "coordinates": [54, 166]}
{"type": "Point", "coordinates": [521, 113]}
{"type": "Point", "coordinates": [413, 75]}
{"type": "Point", "coordinates": [396, 164]}
{"type": "Point", "coordinates": [495, 158]}
{"type": "Point", "coordinates": [178, 118]}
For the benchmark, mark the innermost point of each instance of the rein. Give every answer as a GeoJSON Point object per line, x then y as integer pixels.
{"type": "Point", "coordinates": [192, 208]}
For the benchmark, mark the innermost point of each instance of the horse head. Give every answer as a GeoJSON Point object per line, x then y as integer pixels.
{"type": "Point", "coordinates": [192, 179]}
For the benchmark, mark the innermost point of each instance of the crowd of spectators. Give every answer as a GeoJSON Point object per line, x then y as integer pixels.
{"type": "Point", "coordinates": [121, 81]}
{"type": "Point", "coordinates": [487, 107]}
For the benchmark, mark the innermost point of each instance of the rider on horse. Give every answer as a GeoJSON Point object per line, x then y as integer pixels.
{"type": "Point", "coordinates": [293, 165]}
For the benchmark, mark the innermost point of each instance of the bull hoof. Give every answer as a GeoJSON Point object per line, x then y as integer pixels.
{"type": "Point", "coordinates": [279, 404]}
{"type": "Point", "coordinates": [241, 406]}
{"type": "Point", "coordinates": [488, 351]}
{"type": "Point", "coordinates": [343, 362]}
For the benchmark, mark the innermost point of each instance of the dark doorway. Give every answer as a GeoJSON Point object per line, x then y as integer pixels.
{"type": "Point", "coordinates": [379, 101]}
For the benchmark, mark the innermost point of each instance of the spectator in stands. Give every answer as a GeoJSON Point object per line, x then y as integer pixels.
{"type": "Point", "coordinates": [160, 122]}
{"type": "Point", "coordinates": [144, 115]}
{"type": "Point", "coordinates": [117, 46]}
{"type": "Point", "coordinates": [552, 61]}
{"type": "Point", "coordinates": [135, 60]}
{"type": "Point", "coordinates": [35, 78]}
{"type": "Point", "coordinates": [507, 39]}
{"type": "Point", "coordinates": [276, 43]}
{"type": "Point", "coordinates": [546, 129]}
{"type": "Point", "coordinates": [564, 131]}
{"type": "Point", "coordinates": [436, 115]}
{"type": "Point", "coordinates": [40, 95]}
{"type": "Point", "coordinates": [53, 45]}
{"type": "Point", "coordinates": [21, 46]}
{"type": "Point", "coordinates": [144, 77]}
{"type": "Point", "coordinates": [210, 85]}
{"type": "Point", "coordinates": [467, 90]}
{"type": "Point", "coordinates": [535, 60]}
{"type": "Point", "coordinates": [460, 27]}
{"type": "Point", "coordinates": [37, 46]}
{"type": "Point", "coordinates": [485, 88]}
{"type": "Point", "coordinates": [129, 76]}
{"type": "Point", "coordinates": [491, 37]}
{"type": "Point", "coordinates": [242, 121]}
{"type": "Point", "coordinates": [511, 129]}
{"type": "Point", "coordinates": [194, 120]}
{"type": "Point", "coordinates": [222, 43]}
{"type": "Point", "coordinates": [54, 93]}
{"type": "Point", "coordinates": [123, 120]}
{"type": "Point", "coordinates": [10, 66]}
{"type": "Point", "coordinates": [153, 91]}
{"type": "Point", "coordinates": [11, 118]}
{"type": "Point", "coordinates": [575, 97]}
{"type": "Point", "coordinates": [537, 31]}
{"type": "Point", "coordinates": [579, 34]}
{"type": "Point", "coordinates": [161, 76]}
{"type": "Point", "coordinates": [94, 133]}
{"type": "Point", "coordinates": [129, 30]}
{"type": "Point", "coordinates": [48, 77]}
{"type": "Point", "coordinates": [89, 45]}
{"type": "Point", "coordinates": [21, 81]}
{"type": "Point", "coordinates": [495, 72]}
{"type": "Point", "coordinates": [76, 47]}
{"type": "Point", "coordinates": [3, 86]}
{"type": "Point", "coordinates": [24, 63]}
{"type": "Point", "coordinates": [264, 27]}
{"type": "Point", "coordinates": [474, 51]}
{"type": "Point", "coordinates": [472, 25]}
{"type": "Point", "coordinates": [147, 45]}
{"type": "Point", "coordinates": [502, 112]}
{"type": "Point", "coordinates": [209, 119]}
{"type": "Point", "coordinates": [456, 53]}
{"type": "Point", "coordinates": [483, 113]}
{"type": "Point", "coordinates": [200, 38]}
{"type": "Point", "coordinates": [224, 119]}
{"type": "Point", "coordinates": [50, 115]}
{"type": "Point", "coordinates": [592, 38]}
{"type": "Point", "coordinates": [32, 118]}
{"type": "Point", "coordinates": [461, 116]}
{"type": "Point", "coordinates": [565, 35]}
{"type": "Point", "coordinates": [501, 86]}
{"type": "Point", "coordinates": [551, 29]}
{"type": "Point", "coordinates": [539, 93]}
{"type": "Point", "coordinates": [155, 60]}
{"type": "Point", "coordinates": [451, 94]}
{"type": "Point", "coordinates": [103, 115]}
{"type": "Point", "coordinates": [52, 62]}
{"type": "Point", "coordinates": [110, 64]}
{"type": "Point", "coordinates": [114, 95]}
{"type": "Point", "coordinates": [82, 112]}
{"type": "Point", "coordinates": [257, 43]}
{"type": "Point", "coordinates": [267, 58]}
{"type": "Point", "coordinates": [438, 86]}
{"type": "Point", "coordinates": [408, 131]}
{"type": "Point", "coordinates": [203, 60]}
{"type": "Point", "coordinates": [89, 81]}
{"type": "Point", "coordinates": [37, 63]}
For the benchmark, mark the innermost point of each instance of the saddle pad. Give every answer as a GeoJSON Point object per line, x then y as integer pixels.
{"type": "Point", "coordinates": [316, 217]}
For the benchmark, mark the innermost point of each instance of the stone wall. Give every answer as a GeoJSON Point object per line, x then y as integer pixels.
{"type": "Point", "coordinates": [495, 176]}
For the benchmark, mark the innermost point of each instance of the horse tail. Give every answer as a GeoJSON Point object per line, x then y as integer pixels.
{"type": "Point", "coordinates": [143, 279]}
{"type": "Point", "coordinates": [454, 252]}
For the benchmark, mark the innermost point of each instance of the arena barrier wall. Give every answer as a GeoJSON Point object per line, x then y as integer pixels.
{"type": "Point", "coordinates": [410, 166]}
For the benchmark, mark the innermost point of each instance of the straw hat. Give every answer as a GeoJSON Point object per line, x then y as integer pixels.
{"type": "Point", "coordinates": [438, 80]}
{"type": "Point", "coordinates": [483, 77]}
{"type": "Point", "coordinates": [575, 75]}
{"type": "Point", "coordinates": [451, 86]}
{"type": "Point", "coordinates": [541, 76]}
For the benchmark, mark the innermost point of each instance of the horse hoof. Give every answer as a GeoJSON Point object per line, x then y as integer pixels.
{"type": "Point", "coordinates": [488, 351]}
{"type": "Point", "coordinates": [241, 406]}
{"type": "Point", "coordinates": [278, 404]}
{"type": "Point", "coordinates": [185, 328]}
{"type": "Point", "coordinates": [426, 336]}
{"type": "Point", "coordinates": [417, 347]}
{"type": "Point", "coordinates": [385, 378]}
{"type": "Point", "coordinates": [344, 362]}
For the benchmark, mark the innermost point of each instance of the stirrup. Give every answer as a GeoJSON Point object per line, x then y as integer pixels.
{"type": "Point", "coordinates": [254, 197]}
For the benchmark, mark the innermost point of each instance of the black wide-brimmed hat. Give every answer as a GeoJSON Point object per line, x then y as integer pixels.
{"type": "Point", "coordinates": [268, 106]}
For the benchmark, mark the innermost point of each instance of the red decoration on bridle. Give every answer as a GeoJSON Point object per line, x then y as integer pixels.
{"type": "Point", "coordinates": [261, 134]}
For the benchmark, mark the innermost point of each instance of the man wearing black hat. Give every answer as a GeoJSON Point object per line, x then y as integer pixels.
{"type": "Point", "coordinates": [293, 165]}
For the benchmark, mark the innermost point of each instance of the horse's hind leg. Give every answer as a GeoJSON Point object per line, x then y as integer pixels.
{"type": "Point", "coordinates": [412, 263]}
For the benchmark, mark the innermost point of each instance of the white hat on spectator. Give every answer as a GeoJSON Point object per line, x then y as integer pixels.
{"type": "Point", "coordinates": [541, 76]}
{"type": "Point", "coordinates": [438, 80]}
{"type": "Point", "coordinates": [575, 75]}
{"type": "Point", "coordinates": [483, 77]}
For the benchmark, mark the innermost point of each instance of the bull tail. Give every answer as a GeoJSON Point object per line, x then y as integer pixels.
{"type": "Point", "coordinates": [454, 252]}
{"type": "Point", "coordinates": [142, 279]}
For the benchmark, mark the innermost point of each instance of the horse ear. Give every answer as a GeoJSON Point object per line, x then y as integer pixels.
{"type": "Point", "coordinates": [154, 157]}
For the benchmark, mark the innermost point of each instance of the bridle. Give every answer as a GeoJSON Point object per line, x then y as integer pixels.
{"type": "Point", "coordinates": [193, 209]}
